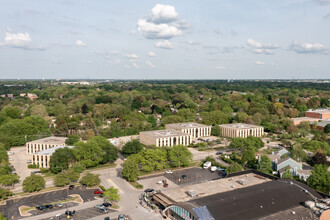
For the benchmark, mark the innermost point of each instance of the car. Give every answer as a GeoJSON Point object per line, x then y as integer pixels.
{"type": "Point", "coordinates": [99, 206]}
{"type": "Point", "coordinates": [70, 213]}
{"type": "Point", "coordinates": [10, 159]}
{"type": "Point", "coordinates": [58, 205]}
{"type": "Point", "coordinates": [148, 190]}
{"type": "Point", "coordinates": [49, 206]}
{"type": "Point", "coordinates": [71, 187]}
{"type": "Point", "coordinates": [168, 171]}
{"type": "Point", "coordinates": [84, 186]}
{"type": "Point", "coordinates": [165, 185]}
{"type": "Point", "coordinates": [98, 191]}
{"type": "Point", "coordinates": [36, 172]}
{"type": "Point", "coordinates": [107, 218]}
{"type": "Point", "coordinates": [218, 153]}
{"type": "Point", "coordinates": [41, 207]}
{"type": "Point", "coordinates": [11, 153]}
{"type": "Point", "coordinates": [102, 210]}
{"type": "Point", "coordinates": [107, 204]}
{"type": "Point", "coordinates": [121, 217]}
{"type": "Point", "coordinates": [184, 176]}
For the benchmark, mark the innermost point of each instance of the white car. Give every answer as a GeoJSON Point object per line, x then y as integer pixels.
{"type": "Point", "coordinates": [168, 171]}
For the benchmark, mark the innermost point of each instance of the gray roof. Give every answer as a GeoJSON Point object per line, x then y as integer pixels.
{"type": "Point", "coordinates": [240, 126]}
{"type": "Point", "coordinates": [51, 150]}
{"type": "Point", "coordinates": [50, 140]}
{"type": "Point", "coordinates": [187, 125]}
{"type": "Point", "coordinates": [164, 133]}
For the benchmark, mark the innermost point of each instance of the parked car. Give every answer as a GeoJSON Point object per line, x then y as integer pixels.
{"type": "Point", "coordinates": [58, 205]}
{"type": "Point", "coordinates": [70, 213]}
{"type": "Point", "coordinates": [71, 187]}
{"type": "Point", "coordinates": [148, 190]}
{"type": "Point", "coordinates": [36, 172]}
{"type": "Point", "coordinates": [184, 176]}
{"type": "Point", "coordinates": [102, 210]}
{"type": "Point", "coordinates": [207, 164]}
{"type": "Point", "coordinates": [10, 159]}
{"type": "Point", "coordinates": [121, 217]}
{"type": "Point", "coordinates": [168, 171]}
{"type": "Point", "coordinates": [84, 186]}
{"type": "Point", "coordinates": [49, 206]}
{"type": "Point", "coordinates": [165, 185]}
{"type": "Point", "coordinates": [29, 161]}
{"type": "Point", "coordinates": [213, 168]}
{"type": "Point", "coordinates": [219, 153]}
{"type": "Point", "coordinates": [107, 204]}
{"type": "Point", "coordinates": [107, 218]}
{"type": "Point", "coordinates": [41, 207]}
{"type": "Point", "coordinates": [11, 153]}
{"type": "Point", "coordinates": [98, 191]}
{"type": "Point", "coordinates": [99, 206]}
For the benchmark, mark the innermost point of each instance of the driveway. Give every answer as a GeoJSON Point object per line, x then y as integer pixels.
{"type": "Point", "coordinates": [19, 161]}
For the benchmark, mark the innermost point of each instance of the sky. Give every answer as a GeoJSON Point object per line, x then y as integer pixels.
{"type": "Point", "coordinates": [146, 39]}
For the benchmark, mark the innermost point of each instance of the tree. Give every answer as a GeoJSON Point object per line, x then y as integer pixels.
{"type": "Point", "coordinates": [216, 131]}
{"type": "Point", "coordinates": [33, 183]}
{"type": "Point", "coordinates": [318, 158]}
{"type": "Point", "coordinates": [153, 159]}
{"type": "Point", "coordinates": [298, 153]}
{"type": "Point", "coordinates": [265, 164]}
{"type": "Point", "coordinates": [61, 159]}
{"type": "Point", "coordinates": [234, 167]}
{"type": "Point", "coordinates": [130, 170]}
{"type": "Point", "coordinates": [111, 195]}
{"type": "Point", "coordinates": [9, 179]}
{"type": "Point", "coordinates": [61, 179]}
{"type": "Point", "coordinates": [84, 109]}
{"type": "Point", "coordinates": [12, 112]}
{"type": "Point", "coordinates": [101, 111]}
{"type": "Point", "coordinates": [5, 193]}
{"type": "Point", "coordinates": [132, 147]}
{"type": "Point", "coordinates": [88, 153]}
{"type": "Point", "coordinates": [214, 117]}
{"type": "Point", "coordinates": [110, 152]}
{"type": "Point", "coordinates": [287, 174]}
{"type": "Point", "coordinates": [72, 139]}
{"type": "Point", "coordinates": [90, 179]}
{"type": "Point", "coordinates": [320, 178]}
{"type": "Point", "coordinates": [179, 156]}
{"type": "Point", "coordinates": [327, 129]}
{"type": "Point", "coordinates": [3, 154]}
{"type": "Point", "coordinates": [249, 157]}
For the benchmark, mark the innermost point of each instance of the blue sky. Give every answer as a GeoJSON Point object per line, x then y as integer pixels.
{"type": "Point", "coordinates": [206, 39]}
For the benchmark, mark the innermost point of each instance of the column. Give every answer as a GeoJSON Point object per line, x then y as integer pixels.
{"type": "Point", "coordinates": [160, 142]}
{"type": "Point", "coordinates": [194, 132]}
{"type": "Point", "coordinates": [172, 141]}
{"type": "Point", "coordinates": [184, 140]}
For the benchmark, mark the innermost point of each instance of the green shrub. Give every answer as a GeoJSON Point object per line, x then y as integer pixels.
{"type": "Point", "coordinates": [139, 186]}
{"type": "Point", "coordinates": [33, 166]}
{"type": "Point", "coordinates": [44, 170]}
{"type": "Point", "coordinates": [102, 187]}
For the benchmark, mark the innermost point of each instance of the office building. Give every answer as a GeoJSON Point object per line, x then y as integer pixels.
{"type": "Point", "coordinates": [44, 144]}
{"type": "Point", "coordinates": [168, 138]}
{"type": "Point", "coordinates": [194, 129]}
{"type": "Point", "coordinates": [241, 130]}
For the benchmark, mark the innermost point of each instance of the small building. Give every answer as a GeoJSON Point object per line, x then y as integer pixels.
{"type": "Point", "coordinates": [44, 144]}
{"type": "Point", "coordinates": [42, 158]}
{"type": "Point", "coordinates": [32, 96]}
{"type": "Point", "coordinates": [297, 121]}
{"type": "Point", "coordinates": [322, 113]}
{"type": "Point", "coordinates": [194, 129]}
{"type": "Point", "coordinates": [241, 130]}
{"type": "Point", "coordinates": [168, 138]}
{"type": "Point", "coordinates": [320, 125]}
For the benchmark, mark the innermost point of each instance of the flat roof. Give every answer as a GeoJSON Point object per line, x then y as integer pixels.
{"type": "Point", "coordinates": [320, 111]}
{"type": "Point", "coordinates": [305, 119]}
{"type": "Point", "coordinates": [164, 133]}
{"type": "Point", "coordinates": [51, 150]}
{"type": "Point", "coordinates": [255, 201]}
{"type": "Point", "coordinates": [240, 126]}
{"type": "Point", "coordinates": [188, 125]}
{"type": "Point", "coordinates": [50, 140]}
{"type": "Point", "coordinates": [322, 123]}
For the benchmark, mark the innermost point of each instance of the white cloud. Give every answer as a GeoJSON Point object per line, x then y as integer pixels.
{"type": "Point", "coordinates": [221, 67]}
{"type": "Point", "coordinates": [163, 14]}
{"type": "Point", "coordinates": [191, 42]}
{"type": "Point", "coordinates": [150, 64]}
{"type": "Point", "coordinates": [18, 40]}
{"type": "Point", "coordinates": [157, 31]}
{"type": "Point", "coordinates": [132, 56]}
{"type": "Point", "coordinates": [79, 43]}
{"type": "Point", "coordinates": [308, 47]}
{"type": "Point", "coordinates": [260, 48]}
{"type": "Point", "coordinates": [182, 25]}
{"type": "Point", "coordinates": [151, 54]}
{"type": "Point", "coordinates": [164, 44]}
{"type": "Point", "coordinates": [259, 63]}
{"type": "Point", "coordinates": [135, 65]}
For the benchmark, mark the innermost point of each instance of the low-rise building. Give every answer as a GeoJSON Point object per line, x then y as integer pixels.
{"type": "Point", "coordinates": [241, 130]}
{"type": "Point", "coordinates": [44, 144]}
{"type": "Point", "coordinates": [42, 158]}
{"type": "Point", "coordinates": [194, 129]}
{"type": "Point", "coordinates": [32, 96]}
{"type": "Point", "coordinates": [297, 121]}
{"type": "Point", "coordinates": [322, 113]}
{"type": "Point", "coordinates": [168, 138]}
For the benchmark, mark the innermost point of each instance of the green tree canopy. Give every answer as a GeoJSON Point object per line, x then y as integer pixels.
{"type": "Point", "coordinates": [5, 193]}
{"type": "Point", "coordinates": [132, 147]}
{"type": "Point", "coordinates": [88, 153]}
{"type": "Point", "coordinates": [153, 159]}
{"type": "Point", "coordinates": [9, 179]}
{"type": "Point", "coordinates": [265, 164]}
{"type": "Point", "coordinates": [110, 152]}
{"type": "Point", "coordinates": [33, 183]}
{"type": "Point", "coordinates": [61, 159]}
{"type": "Point", "coordinates": [130, 170]}
{"type": "Point", "coordinates": [320, 178]}
{"type": "Point", "coordinates": [111, 195]}
{"type": "Point", "coordinates": [234, 167]}
{"type": "Point", "coordinates": [90, 179]}
{"type": "Point", "coordinates": [72, 139]}
{"type": "Point", "coordinates": [179, 156]}
{"type": "Point", "coordinates": [287, 174]}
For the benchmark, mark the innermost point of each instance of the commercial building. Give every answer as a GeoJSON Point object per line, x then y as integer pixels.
{"type": "Point", "coordinates": [194, 129]}
{"type": "Point", "coordinates": [168, 138]}
{"type": "Point", "coordinates": [318, 113]}
{"type": "Point", "coordinates": [42, 157]}
{"type": "Point", "coordinates": [297, 121]}
{"type": "Point", "coordinates": [241, 130]}
{"type": "Point", "coordinates": [44, 144]}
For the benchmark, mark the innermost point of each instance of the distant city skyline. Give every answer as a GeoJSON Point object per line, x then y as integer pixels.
{"type": "Point", "coordinates": [214, 39]}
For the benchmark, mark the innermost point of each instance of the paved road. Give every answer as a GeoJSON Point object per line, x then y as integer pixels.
{"type": "Point", "coordinates": [201, 155]}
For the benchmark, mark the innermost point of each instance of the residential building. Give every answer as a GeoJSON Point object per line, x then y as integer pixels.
{"type": "Point", "coordinates": [318, 113]}
{"type": "Point", "coordinates": [44, 144]}
{"type": "Point", "coordinates": [194, 129]}
{"type": "Point", "coordinates": [168, 138]}
{"type": "Point", "coordinates": [42, 158]}
{"type": "Point", "coordinates": [241, 130]}
{"type": "Point", "coordinates": [32, 96]}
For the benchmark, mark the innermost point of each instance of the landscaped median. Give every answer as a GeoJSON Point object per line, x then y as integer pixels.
{"type": "Point", "coordinates": [75, 198]}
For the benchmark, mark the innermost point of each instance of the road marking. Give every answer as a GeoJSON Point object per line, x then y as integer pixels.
{"type": "Point", "coordinates": [114, 185]}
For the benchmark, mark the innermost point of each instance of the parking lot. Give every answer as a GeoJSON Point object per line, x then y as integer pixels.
{"type": "Point", "coordinates": [11, 209]}
{"type": "Point", "coordinates": [19, 161]}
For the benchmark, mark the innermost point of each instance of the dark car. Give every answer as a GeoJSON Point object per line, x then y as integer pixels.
{"type": "Point", "coordinates": [98, 191]}
{"type": "Point", "coordinates": [71, 187]}
{"type": "Point", "coordinates": [49, 206]}
{"type": "Point", "coordinates": [107, 218]}
{"type": "Point", "coordinates": [121, 217]}
{"type": "Point", "coordinates": [71, 213]}
{"type": "Point", "coordinates": [41, 207]}
{"type": "Point", "coordinates": [84, 185]}
{"type": "Point", "coordinates": [102, 210]}
{"type": "Point", "coordinates": [219, 153]}
{"type": "Point", "coordinates": [148, 190]}
{"type": "Point", "coordinates": [184, 176]}
{"type": "Point", "coordinates": [106, 204]}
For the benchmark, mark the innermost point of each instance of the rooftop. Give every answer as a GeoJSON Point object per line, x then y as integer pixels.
{"type": "Point", "coordinates": [50, 151]}
{"type": "Point", "coordinates": [187, 125]}
{"type": "Point", "coordinates": [320, 110]}
{"type": "Point", "coordinates": [240, 126]}
{"type": "Point", "coordinates": [305, 119]}
{"type": "Point", "coordinates": [50, 140]}
{"type": "Point", "coordinates": [164, 133]}
{"type": "Point", "coordinates": [322, 123]}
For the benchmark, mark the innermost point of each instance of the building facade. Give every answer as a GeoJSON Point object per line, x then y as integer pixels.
{"type": "Point", "coordinates": [42, 158]}
{"type": "Point", "coordinates": [194, 129]}
{"type": "Point", "coordinates": [44, 144]}
{"type": "Point", "coordinates": [168, 138]}
{"type": "Point", "coordinates": [318, 113]}
{"type": "Point", "coordinates": [241, 130]}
